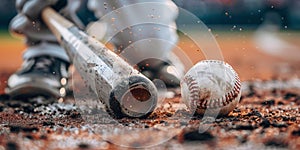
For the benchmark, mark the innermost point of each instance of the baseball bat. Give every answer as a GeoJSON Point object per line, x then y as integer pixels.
{"type": "Point", "coordinates": [124, 91]}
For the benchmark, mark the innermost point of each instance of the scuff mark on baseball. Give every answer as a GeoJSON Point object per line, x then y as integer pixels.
{"type": "Point", "coordinates": [211, 87]}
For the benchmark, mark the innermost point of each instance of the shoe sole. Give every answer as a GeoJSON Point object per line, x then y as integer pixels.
{"type": "Point", "coordinates": [26, 91]}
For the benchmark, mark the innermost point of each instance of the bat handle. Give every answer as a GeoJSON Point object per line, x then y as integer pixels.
{"type": "Point", "coordinates": [56, 23]}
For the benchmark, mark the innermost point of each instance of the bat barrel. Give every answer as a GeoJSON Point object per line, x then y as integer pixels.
{"type": "Point", "coordinates": [134, 97]}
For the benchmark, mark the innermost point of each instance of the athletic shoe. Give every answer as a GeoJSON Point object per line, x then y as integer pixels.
{"type": "Point", "coordinates": [41, 76]}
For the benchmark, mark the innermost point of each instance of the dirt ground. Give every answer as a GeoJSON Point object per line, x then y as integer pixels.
{"type": "Point", "coordinates": [267, 116]}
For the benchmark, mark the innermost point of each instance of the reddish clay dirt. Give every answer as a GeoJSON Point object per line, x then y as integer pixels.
{"type": "Point", "coordinates": [266, 118]}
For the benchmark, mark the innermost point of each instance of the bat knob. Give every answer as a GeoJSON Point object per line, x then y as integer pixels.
{"type": "Point", "coordinates": [134, 97]}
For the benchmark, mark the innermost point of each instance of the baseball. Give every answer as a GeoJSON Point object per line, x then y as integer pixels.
{"type": "Point", "coordinates": [211, 87]}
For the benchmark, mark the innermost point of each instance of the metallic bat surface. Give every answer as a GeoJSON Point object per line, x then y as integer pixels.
{"type": "Point", "coordinates": [124, 91]}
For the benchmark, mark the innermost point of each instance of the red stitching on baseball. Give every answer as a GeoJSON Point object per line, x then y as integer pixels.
{"type": "Point", "coordinates": [193, 87]}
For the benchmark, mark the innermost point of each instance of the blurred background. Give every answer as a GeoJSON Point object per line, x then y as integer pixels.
{"type": "Point", "coordinates": [259, 38]}
{"type": "Point", "coordinates": [216, 12]}
{"type": "Point", "coordinates": [244, 12]}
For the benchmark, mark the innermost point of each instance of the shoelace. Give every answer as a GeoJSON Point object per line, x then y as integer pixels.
{"type": "Point", "coordinates": [43, 64]}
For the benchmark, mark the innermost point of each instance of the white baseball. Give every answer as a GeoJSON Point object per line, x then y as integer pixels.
{"type": "Point", "coordinates": [211, 87]}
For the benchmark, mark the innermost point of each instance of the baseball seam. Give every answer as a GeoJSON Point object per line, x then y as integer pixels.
{"type": "Point", "coordinates": [193, 87]}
